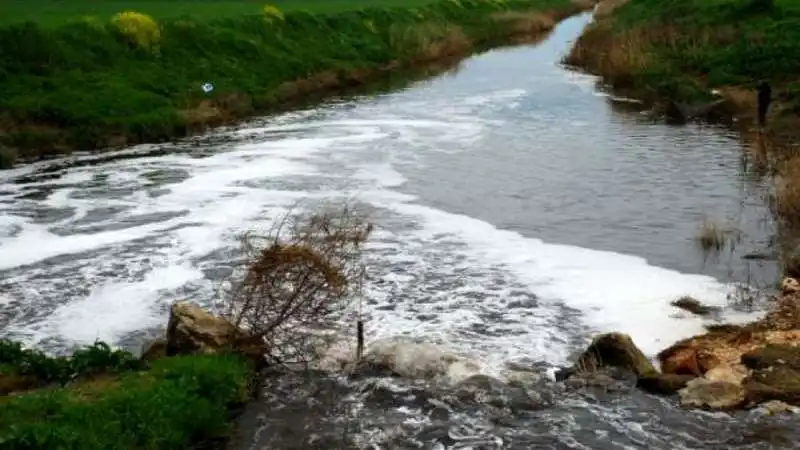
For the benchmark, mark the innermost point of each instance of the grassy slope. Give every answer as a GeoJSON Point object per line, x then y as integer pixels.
{"type": "Point", "coordinates": [99, 399]}
{"type": "Point", "coordinates": [80, 85]}
{"type": "Point", "coordinates": [681, 49]}
{"type": "Point", "coordinates": [59, 12]}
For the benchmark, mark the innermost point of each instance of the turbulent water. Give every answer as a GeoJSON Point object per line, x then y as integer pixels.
{"type": "Point", "coordinates": [519, 210]}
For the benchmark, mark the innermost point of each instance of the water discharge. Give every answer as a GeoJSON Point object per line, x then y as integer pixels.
{"type": "Point", "coordinates": [518, 212]}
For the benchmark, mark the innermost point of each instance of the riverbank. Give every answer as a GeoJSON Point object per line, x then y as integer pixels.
{"type": "Point", "coordinates": [704, 61]}
{"type": "Point", "coordinates": [93, 84]}
{"type": "Point", "coordinates": [99, 398]}
{"type": "Point", "coordinates": [660, 50]}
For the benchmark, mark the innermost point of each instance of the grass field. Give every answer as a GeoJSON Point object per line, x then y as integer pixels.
{"type": "Point", "coordinates": [58, 12]}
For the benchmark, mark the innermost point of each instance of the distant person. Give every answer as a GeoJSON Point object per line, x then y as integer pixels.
{"type": "Point", "coordinates": [764, 99]}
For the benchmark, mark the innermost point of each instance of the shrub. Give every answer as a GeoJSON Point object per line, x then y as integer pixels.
{"type": "Point", "coordinates": [272, 13]}
{"type": "Point", "coordinates": [306, 268]}
{"type": "Point", "coordinates": [138, 29]}
{"type": "Point", "coordinates": [90, 360]}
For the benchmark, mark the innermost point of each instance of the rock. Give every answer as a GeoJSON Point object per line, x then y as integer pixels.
{"type": "Point", "coordinates": [488, 390]}
{"type": "Point", "coordinates": [774, 383]}
{"type": "Point", "coordinates": [683, 360]}
{"type": "Point", "coordinates": [664, 383]}
{"type": "Point", "coordinates": [604, 381]}
{"type": "Point", "coordinates": [774, 407]}
{"type": "Point", "coordinates": [154, 350]}
{"type": "Point", "coordinates": [694, 306]}
{"type": "Point", "coordinates": [193, 330]}
{"type": "Point", "coordinates": [790, 285]}
{"type": "Point", "coordinates": [773, 355]}
{"type": "Point", "coordinates": [703, 393]}
{"type": "Point", "coordinates": [614, 350]}
{"type": "Point", "coordinates": [734, 374]}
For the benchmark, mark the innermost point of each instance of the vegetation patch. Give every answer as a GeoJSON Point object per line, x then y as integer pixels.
{"type": "Point", "coordinates": [682, 50]}
{"type": "Point", "coordinates": [179, 402]}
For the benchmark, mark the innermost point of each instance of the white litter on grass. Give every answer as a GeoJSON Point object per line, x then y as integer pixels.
{"type": "Point", "coordinates": [207, 87]}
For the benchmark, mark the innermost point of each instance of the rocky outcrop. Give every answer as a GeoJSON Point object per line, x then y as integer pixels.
{"type": "Point", "coordinates": [742, 366]}
{"type": "Point", "coordinates": [193, 330]}
{"type": "Point", "coordinates": [773, 355]}
{"type": "Point", "coordinates": [614, 350]}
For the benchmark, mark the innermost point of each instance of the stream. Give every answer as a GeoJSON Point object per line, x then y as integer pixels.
{"type": "Point", "coordinates": [519, 210]}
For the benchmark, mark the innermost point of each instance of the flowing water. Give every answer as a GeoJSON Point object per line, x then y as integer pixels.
{"type": "Point", "coordinates": [519, 210]}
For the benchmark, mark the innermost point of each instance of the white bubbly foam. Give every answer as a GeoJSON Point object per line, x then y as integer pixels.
{"type": "Point", "coordinates": [613, 291]}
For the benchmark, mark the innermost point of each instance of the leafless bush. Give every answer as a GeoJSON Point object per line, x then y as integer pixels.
{"type": "Point", "coordinates": [307, 267]}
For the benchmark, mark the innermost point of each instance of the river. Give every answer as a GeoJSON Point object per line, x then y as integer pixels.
{"type": "Point", "coordinates": [519, 210]}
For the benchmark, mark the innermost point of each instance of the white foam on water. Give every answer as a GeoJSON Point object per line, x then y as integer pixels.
{"type": "Point", "coordinates": [437, 276]}
{"type": "Point", "coordinates": [113, 309]}
{"type": "Point", "coordinates": [615, 292]}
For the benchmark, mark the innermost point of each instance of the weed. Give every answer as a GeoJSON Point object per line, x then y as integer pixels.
{"type": "Point", "coordinates": [712, 236]}
{"type": "Point", "coordinates": [90, 360]}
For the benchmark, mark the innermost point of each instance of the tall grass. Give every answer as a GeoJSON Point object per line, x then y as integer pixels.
{"type": "Point", "coordinates": [683, 49]}
{"type": "Point", "coordinates": [86, 85]}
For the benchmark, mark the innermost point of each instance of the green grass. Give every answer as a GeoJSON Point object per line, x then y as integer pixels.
{"type": "Point", "coordinates": [178, 403]}
{"type": "Point", "coordinates": [691, 46]}
{"type": "Point", "coordinates": [59, 12]}
{"type": "Point", "coordinates": [83, 85]}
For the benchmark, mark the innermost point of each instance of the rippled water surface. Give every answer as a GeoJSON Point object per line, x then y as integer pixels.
{"type": "Point", "coordinates": [519, 210]}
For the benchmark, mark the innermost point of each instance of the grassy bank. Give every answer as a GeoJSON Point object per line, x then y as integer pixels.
{"type": "Point", "coordinates": [98, 82]}
{"type": "Point", "coordinates": [682, 50]}
{"type": "Point", "coordinates": [101, 399]}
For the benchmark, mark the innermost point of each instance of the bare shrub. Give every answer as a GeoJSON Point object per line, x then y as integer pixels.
{"type": "Point", "coordinates": [307, 267]}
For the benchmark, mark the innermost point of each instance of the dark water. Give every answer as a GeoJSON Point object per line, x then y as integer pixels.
{"type": "Point", "coordinates": [518, 209]}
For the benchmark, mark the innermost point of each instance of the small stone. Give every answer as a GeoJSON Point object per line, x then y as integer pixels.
{"type": "Point", "coordinates": [694, 306]}
{"type": "Point", "coordinates": [715, 395]}
{"type": "Point", "coordinates": [734, 374]}
{"type": "Point", "coordinates": [774, 407]}
{"type": "Point", "coordinates": [664, 383]}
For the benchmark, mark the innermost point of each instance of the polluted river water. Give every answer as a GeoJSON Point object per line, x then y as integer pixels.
{"type": "Point", "coordinates": [518, 211]}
